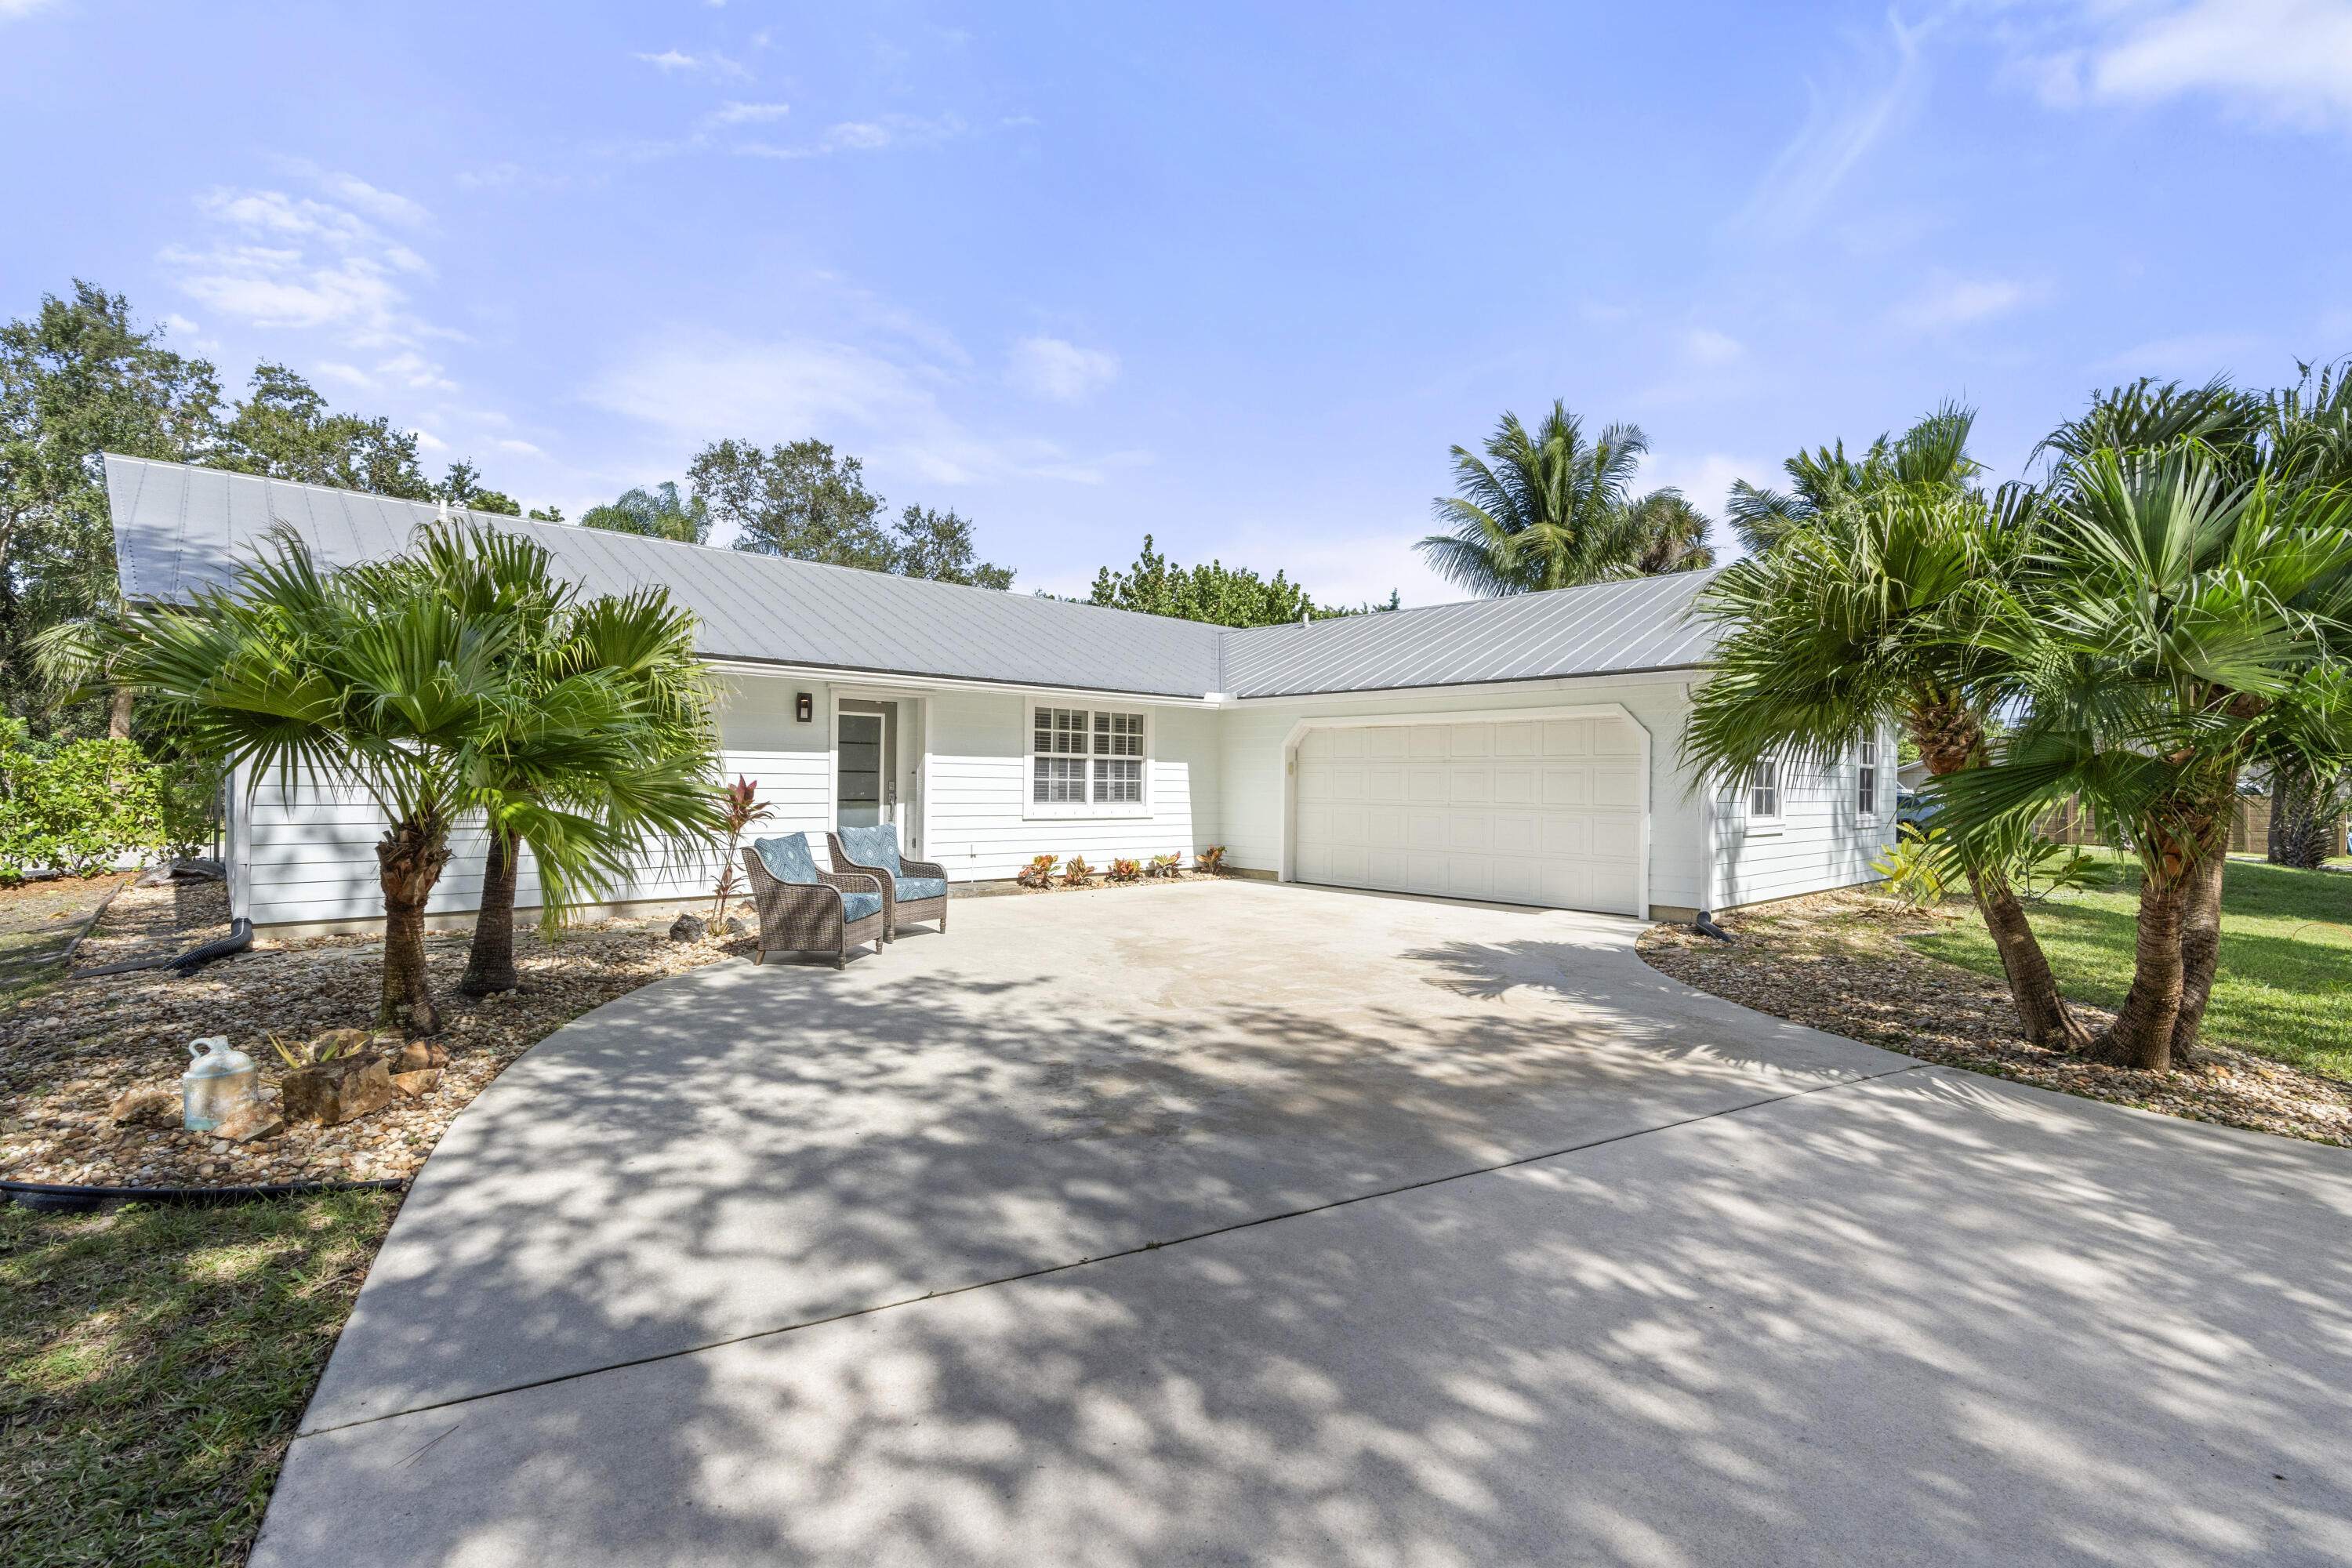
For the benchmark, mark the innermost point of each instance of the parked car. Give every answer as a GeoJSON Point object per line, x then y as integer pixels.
{"type": "Point", "coordinates": [1913, 809]}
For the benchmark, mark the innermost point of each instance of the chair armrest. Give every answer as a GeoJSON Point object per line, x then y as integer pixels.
{"type": "Point", "coordinates": [848, 880]}
{"type": "Point", "coordinates": [922, 868]}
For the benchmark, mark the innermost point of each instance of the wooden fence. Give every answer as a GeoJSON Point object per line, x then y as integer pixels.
{"type": "Point", "coordinates": [2249, 828]}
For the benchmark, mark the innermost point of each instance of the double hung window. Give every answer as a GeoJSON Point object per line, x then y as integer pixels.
{"type": "Point", "coordinates": [1086, 761]}
{"type": "Point", "coordinates": [1865, 781]}
{"type": "Point", "coordinates": [1764, 791]}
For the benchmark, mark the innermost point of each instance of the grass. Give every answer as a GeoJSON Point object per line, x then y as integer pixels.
{"type": "Point", "coordinates": [154, 1362]}
{"type": "Point", "coordinates": [2284, 985]}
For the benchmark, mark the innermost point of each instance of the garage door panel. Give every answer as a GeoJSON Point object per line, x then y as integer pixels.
{"type": "Point", "coordinates": [1541, 812]}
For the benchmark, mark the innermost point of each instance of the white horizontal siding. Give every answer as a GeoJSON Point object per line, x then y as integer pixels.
{"type": "Point", "coordinates": [1823, 840]}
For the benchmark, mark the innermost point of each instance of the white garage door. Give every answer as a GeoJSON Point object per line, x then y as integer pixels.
{"type": "Point", "coordinates": [1523, 812]}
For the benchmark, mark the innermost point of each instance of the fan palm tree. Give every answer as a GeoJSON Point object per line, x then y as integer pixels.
{"type": "Point", "coordinates": [1674, 535]}
{"type": "Point", "coordinates": [608, 748]}
{"type": "Point", "coordinates": [1544, 509]}
{"type": "Point", "coordinates": [2172, 624]}
{"type": "Point", "coordinates": [1862, 615]}
{"type": "Point", "coordinates": [1931, 457]}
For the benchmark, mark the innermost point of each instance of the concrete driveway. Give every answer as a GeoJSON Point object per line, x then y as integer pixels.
{"type": "Point", "coordinates": [1243, 1223]}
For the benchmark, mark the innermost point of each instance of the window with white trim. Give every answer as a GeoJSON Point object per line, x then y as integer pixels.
{"type": "Point", "coordinates": [1087, 762]}
{"type": "Point", "coordinates": [1764, 791]}
{"type": "Point", "coordinates": [1865, 781]}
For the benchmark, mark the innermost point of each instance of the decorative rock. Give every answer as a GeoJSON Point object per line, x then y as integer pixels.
{"type": "Point", "coordinates": [415, 1085]}
{"type": "Point", "coordinates": [147, 1105]}
{"type": "Point", "coordinates": [335, 1091]}
{"type": "Point", "coordinates": [256, 1121]}
{"type": "Point", "coordinates": [738, 926]}
{"type": "Point", "coordinates": [688, 928]}
{"type": "Point", "coordinates": [418, 1056]}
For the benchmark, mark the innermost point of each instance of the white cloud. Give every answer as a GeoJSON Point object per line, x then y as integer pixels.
{"type": "Point", "coordinates": [1845, 121]}
{"type": "Point", "coordinates": [2284, 60]}
{"type": "Point", "coordinates": [669, 61]}
{"type": "Point", "coordinates": [866, 136]}
{"type": "Point", "coordinates": [840, 391]}
{"type": "Point", "coordinates": [387, 205]}
{"type": "Point", "coordinates": [1708, 346]}
{"type": "Point", "coordinates": [1051, 367]}
{"type": "Point", "coordinates": [1948, 303]}
{"type": "Point", "coordinates": [523, 447]}
{"type": "Point", "coordinates": [281, 260]}
{"type": "Point", "coordinates": [10, 10]}
{"type": "Point", "coordinates": [747, 113]}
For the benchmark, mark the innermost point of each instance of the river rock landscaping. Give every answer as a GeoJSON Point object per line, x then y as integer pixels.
{"type": "Point", "coordinates": [1840, 963]}
{"type": "Point", "coordinates": [74, 1050]}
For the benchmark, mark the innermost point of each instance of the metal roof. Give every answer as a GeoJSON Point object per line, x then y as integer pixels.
{"type": "Point", "coordinates": [1636, 625]}
{"type": "Point", "coordinates": [177, 529]}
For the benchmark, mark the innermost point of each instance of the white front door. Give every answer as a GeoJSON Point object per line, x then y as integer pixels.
{"type": "Point", "coordinates": [1542, 811]}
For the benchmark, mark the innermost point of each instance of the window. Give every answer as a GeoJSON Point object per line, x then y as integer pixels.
{"type": "Point", "coordinates": [1865, 781]}
{"type": "Point", "coordinates": [1085, 761]}
{"type": "Point", "coordinates": [1764, 791]}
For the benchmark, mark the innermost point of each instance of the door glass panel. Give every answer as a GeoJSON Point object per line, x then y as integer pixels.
{"type": "Point", "coordinates": [860, 785]}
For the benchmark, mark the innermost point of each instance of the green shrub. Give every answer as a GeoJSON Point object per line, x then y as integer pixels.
{"type": "Point", "coordinates": [76, 809]}
{"type": "Point", "coordinates": [1917, 866]}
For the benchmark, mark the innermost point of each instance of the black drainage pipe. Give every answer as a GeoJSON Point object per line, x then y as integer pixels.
{"type": "Point", "coordinates": [239, 937]}
{"type": "Point", "coordinates": [54, 1199]}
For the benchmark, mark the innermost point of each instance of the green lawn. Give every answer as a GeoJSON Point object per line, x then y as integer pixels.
{"type": "Point", "coordinates": [2284, 987]}
{"type": "Point", "coordinates": [154, 1362]}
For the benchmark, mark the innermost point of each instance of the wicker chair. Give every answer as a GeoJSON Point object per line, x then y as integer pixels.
{"type": "Point", "coordinates": [812, 917]}
{"type": "Point", "coordinates": [880, 860]}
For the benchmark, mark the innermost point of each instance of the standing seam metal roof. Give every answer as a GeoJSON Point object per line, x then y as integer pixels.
{"type": "Point", "coordinates": [178, 529]}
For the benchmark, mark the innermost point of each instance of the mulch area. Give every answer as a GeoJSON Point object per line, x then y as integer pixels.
{"type": "Point", "coordinates": [1837, 962]}
{"type": "Point", "coordinates": [67, 1051]}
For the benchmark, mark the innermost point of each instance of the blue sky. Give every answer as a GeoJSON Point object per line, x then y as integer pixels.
{"type": "Point", "coordinates": [1235, 276]}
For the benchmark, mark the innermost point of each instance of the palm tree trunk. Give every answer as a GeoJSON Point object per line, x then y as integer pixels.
{"type": "Point", "coordinates": [118, 718]}
{"type": "Point", "coordinates": [489, 965]}
{"type": "Point", "coordinates": [2141, 1035]}
{"type": "Point", "coordinates": [2200, 942]}
{"type": "Point", "coordinates": [2041, 1009]}
{"type": "Point", "coordinates": [2276, 850]}
{"type": "Point", "coordinates": [408, 862]}
{"type": "Point", "coordinates": [1949, 738]}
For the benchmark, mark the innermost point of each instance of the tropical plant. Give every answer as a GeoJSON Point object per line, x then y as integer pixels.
{"type": "Point", "coordinates": [2041, 867]}
{"type": "Point", "coordinates": [1039, 873]}
{"type": "Point", "coordinates": [1546, 509]}
{"type": "Point", "coordinates": [1164, 866]}
{"type": "Point", "coordinates": [1126, 869]}
{"type": "Point", "coordinates": [1931, 459]}
{"type": "Point", "coordinates": [741, 810]}
{"type": "Point", "coordinates": [1674, 535]}
{"type": "Point", "coordinates": [75, 809]}
{"type": "Point", "coordinates": [1917, 866]}
{"type": "Point", "coordinates": [1866, 613]}
{"type": "Point", "coordinates": [602, 746]}
{"type": "Point", "coordinates": [1210, 862]}
{"type": "Point", "coordinates": [657, 513]}
{"type": "Point", "coordinates": [1077, 873]}
{"type": "Point", "coordinates": [2170, 621]}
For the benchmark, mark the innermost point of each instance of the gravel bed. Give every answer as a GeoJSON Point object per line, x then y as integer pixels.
{"type": "Point", "coordinates": [1836, 962]}
{"type": "Point", "coordinates": [67, 1051]}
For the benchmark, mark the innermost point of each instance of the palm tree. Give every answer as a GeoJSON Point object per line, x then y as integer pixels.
{"type": "Point", "coordinates": [606, 750]}
{"type": "Point", "coordinates": [1931, 457]}
{"type": "Point", "coordinates": [1861, 614]}
{"type": "Point", "coordinates": [1542, 510]}
{"type": "Point", "coordinates": [2172, 624]}
{"type": "Point", "coordinates": [1674, 535]}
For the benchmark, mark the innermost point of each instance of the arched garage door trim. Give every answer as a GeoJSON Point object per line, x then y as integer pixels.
{"type": "Point", "coordinates": [1299, 731]}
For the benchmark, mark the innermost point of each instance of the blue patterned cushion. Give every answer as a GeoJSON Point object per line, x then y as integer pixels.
{"type": "Point", "coordinates": [856, 907]}
{"type": "Point", "coordinates": [873, 846]}
{"type": "Point", "coordinates": [911, 888]}
{"type": "Point", "coordinates": [788, 859]}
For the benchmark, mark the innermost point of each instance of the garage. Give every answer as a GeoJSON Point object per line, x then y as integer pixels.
{"type": "Point", "coordinates": [1514, 809]}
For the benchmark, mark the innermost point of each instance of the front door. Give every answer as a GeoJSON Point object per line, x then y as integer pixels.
{"type": "Point", "coordinates": [866, 784]}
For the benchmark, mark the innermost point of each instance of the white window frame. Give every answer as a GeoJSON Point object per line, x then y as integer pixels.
{"type": "Point", "coordinates": [1089, 810]}
{"type": "Point", "coordinates": [1869, 797]}
{"type": "Point", "coordinates": [1757, 821]}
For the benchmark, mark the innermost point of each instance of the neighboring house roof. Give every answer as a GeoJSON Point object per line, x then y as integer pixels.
{"type": "Point", "coordinates": [178, 529]}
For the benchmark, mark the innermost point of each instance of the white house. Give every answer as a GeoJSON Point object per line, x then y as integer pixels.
{"type": "Point", "coordinates": [1520, 750]}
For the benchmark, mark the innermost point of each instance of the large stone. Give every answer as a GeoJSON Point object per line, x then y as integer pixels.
{"type": "Point", "coordinates": [335, 1091]}
{"type": "Point", "coordinates": [688, 928]}
{"type": "Point", "coordinates": [418, 1056]}
{"type": "Point", "coordinates": [146, 1105]}
{"type": "Point", "coordinates": [259, 1120]}
{"type": "Point", "coordinates": [416, 1085]}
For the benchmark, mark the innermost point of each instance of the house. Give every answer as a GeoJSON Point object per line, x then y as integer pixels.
{"type": "Point", "coordinates": [1520, 750]}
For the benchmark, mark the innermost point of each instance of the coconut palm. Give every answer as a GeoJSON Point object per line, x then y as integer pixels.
{"type": "Point", "coordinates": [1544, 509]}
{"type": "Point", "coordinates": [1862, 615]}
{"type": "Point", "coordinates": [2172, 624]}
